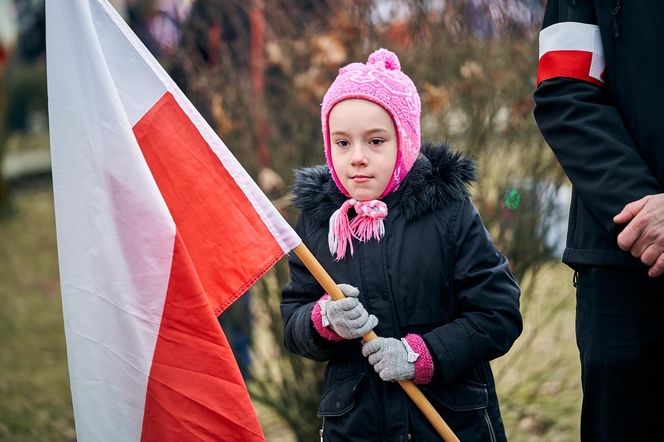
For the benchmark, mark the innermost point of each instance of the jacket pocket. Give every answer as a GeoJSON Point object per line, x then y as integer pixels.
{"type": "Point", "coordinates": [464, 406]}
{"type": "Point", "coordinates": [462, 396]}
{"type": "Point", "coordinates": [339, 398]}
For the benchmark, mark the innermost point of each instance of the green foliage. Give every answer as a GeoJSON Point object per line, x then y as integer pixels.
{"type": "Point", "coordinates": [512, 199]}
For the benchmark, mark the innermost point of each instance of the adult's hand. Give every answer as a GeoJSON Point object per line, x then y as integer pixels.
{"type": "Point", "coordinates": [643, 236]}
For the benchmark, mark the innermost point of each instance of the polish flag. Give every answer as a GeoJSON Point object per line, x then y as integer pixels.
{"type": "Point", "coordinates": [573, 50]}
{"type": "Point", "coordinates": [159, 229]}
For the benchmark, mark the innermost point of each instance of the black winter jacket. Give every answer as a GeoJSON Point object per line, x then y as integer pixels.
{"type": "Point", "coordinates": [436, 273]}
{"type": "Point", "coordinates": [609, 140]}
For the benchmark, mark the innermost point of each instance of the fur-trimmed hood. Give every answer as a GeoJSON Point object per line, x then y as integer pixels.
{"type": "Point", "coordinates": [438, 177]}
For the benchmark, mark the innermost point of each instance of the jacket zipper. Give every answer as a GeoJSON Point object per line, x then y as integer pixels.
{"type": "Point", "coordinates": [380, 396]}
{"type": "Point", "coordinates": [614, 14]}
{"type": "Point", "coordinates": [488, 424]}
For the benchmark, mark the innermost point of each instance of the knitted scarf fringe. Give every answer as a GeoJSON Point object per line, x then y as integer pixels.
{"type": "Point", "coordinates": [366, 225]}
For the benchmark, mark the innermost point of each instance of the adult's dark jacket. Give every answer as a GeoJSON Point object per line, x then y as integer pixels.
{"type": "Point", "coordinates": [435, 272]}
{"type": "Point", "coordinates": [609, 139]}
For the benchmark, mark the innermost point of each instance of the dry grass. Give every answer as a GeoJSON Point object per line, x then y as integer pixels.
{"type": "Point", "coordinates": [538, 380]}
{"type": "Point", "coordinates": [35, 401]}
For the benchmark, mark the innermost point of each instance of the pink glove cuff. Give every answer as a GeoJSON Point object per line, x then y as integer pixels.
{"type": "Point", "coordinates": [317, 319]}
{"type": "Point", "coordinates": [424, 363]}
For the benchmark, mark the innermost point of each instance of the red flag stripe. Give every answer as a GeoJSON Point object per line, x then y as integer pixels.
{"type": "Point", "coordinates": [222, 246]}
{"type": "Point", "coordinates": [195, 390]}
{"type": "Point", "coordinates": [219, 226]}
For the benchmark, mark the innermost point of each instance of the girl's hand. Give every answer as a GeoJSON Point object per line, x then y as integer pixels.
{"type": "Point", "coordinates": [348, 317]}
{"type": "Point", "coordinates": [392, 359]}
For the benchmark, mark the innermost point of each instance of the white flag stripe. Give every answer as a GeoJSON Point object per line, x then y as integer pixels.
{"type": "Point", "coordinates": [113, 279]}
{"type": "Point", "coordinates": [139, 84]}
{"type": "Point", "coordinates": [280, 229]}
{"type": "Point", "coordinates": [573, 36]}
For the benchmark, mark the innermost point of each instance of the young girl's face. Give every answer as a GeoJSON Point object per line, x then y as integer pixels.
{"type": "Point", "coordinates": [363, 144]}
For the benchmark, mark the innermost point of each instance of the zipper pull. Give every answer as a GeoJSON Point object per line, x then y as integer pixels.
{"type": "Point", "coordinates": [614, 13]}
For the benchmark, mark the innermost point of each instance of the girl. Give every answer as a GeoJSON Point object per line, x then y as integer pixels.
{"type": "Point", "coordinates": [397, 226]}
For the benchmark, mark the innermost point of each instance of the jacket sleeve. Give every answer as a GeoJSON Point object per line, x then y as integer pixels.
{"type": "Point", "coordinates": [586, 133]}
{"type": "Point", "coordinates": [297, 302]}
{"type": "Point", "coordinates": [486, 297]}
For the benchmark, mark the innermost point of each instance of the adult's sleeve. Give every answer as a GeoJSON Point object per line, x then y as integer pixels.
{"type": "Point", "coordinates": [487, 297]}
{"type": "Point", "coordinates": [297, 302]}
{"type": "Point", "coordinates": [577, 118]}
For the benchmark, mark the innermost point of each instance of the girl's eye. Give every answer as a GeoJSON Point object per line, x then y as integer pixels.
{"type": "Point", "coordinates": [376, 141]}
{"type": "Point", "coordinates": [343, 143]}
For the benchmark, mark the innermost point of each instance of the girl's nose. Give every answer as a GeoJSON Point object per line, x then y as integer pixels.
{"type": "Point", "coordinates": [358, 157]}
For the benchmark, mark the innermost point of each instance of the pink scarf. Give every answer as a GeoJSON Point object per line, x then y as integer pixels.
{"type": "Point", "coordinates": [366, 225]}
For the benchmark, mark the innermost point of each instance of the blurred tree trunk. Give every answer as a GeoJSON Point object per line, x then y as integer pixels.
{"type": "Point", "coordinates": [257, 68]}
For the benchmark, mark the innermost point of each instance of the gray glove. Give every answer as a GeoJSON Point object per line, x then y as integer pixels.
{"type": "Point", "coordinates": [392, 359]}
{"type": "Point", "coordinates": [348, 317]}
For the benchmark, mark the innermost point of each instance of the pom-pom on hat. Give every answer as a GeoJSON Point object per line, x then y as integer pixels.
{"type": "Point", "coordinates": [381, 81]}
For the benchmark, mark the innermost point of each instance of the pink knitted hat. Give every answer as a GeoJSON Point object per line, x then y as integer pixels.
{"type": "Point", "coordinates": [382, 82]}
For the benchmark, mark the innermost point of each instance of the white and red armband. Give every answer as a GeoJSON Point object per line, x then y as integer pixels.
{"type": "Point", "coordinates": [571, 49]}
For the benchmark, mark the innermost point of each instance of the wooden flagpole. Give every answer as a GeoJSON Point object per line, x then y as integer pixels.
{"type": "Point", "coordinates": [409, 387]}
